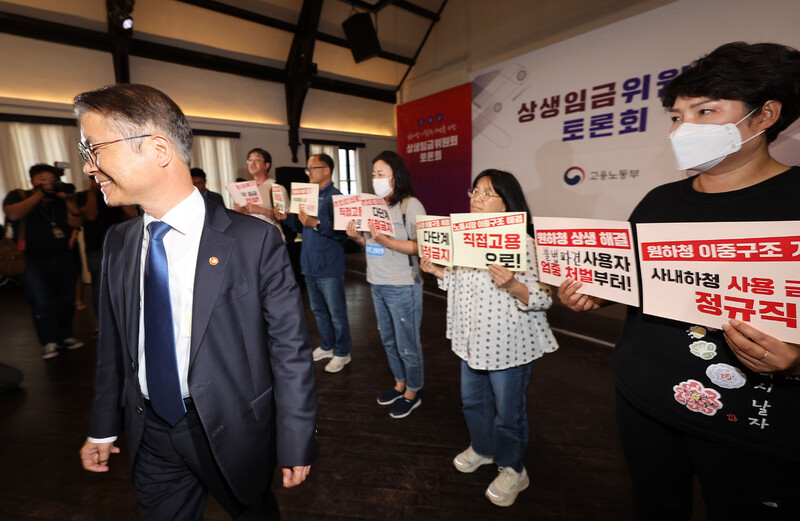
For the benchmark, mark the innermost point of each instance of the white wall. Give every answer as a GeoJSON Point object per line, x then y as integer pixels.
{"type": "Point", "coordinates": [474, 34]}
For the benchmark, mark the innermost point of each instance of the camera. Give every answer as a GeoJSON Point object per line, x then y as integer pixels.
{"type": "Point", "coordinates": [63, 188]}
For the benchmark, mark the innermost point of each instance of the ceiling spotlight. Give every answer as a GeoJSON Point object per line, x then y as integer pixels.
{"type": "Point", "coordinates": [119, 13]}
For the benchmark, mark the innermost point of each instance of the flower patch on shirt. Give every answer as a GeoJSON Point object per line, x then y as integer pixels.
{"type": "Point", "coordinates": [703, 349]}
{"type": "Point", "coordinates": [726, 376]}
{"type": "Point", "coordinates": [695, 397]}
{"type": "Point", "coordinates": [697, 332]}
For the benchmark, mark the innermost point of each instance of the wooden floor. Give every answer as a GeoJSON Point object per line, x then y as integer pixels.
{"type": "Point", "coordinates": [371, 467]}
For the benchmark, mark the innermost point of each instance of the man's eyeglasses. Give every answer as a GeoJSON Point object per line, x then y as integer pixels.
{"type": "Point", "coordinates": [87, 152]}
{"type": "Point", "coordinates": [482, 196]}
{"type": "Point", "coordinates": [311, 169]}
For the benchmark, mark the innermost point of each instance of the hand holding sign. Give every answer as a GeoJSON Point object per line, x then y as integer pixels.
{"type": "Point", "coordinates": [307, 220]}
{"type": "Point", "coordinates": [760, 352]}
{"type": "Point", "coordinates": [569, 296]}
{"type": "Point", "coordinates": [427, 266]}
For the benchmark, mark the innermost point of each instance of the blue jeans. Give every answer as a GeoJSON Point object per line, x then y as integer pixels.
{"type": "Point", "coordinates": [399, 313]}
{"type": "Point", "coordinates": [50, 288]}
{"type": "Point", "coordinates": [494, 403]}
{"type": "Point", "coordinates": [326, 296]}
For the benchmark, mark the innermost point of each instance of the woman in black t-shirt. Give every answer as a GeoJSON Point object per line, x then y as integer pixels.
{"type": "Point", "coordinates": [725, 110]}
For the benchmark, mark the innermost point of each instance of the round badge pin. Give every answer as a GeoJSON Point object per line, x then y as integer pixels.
{"type": "Point", "coordinates": [213, 261]}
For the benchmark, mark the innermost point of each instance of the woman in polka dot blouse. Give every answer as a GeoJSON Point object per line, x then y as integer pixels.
{"type": "Point", "coordinates": [497, 325]}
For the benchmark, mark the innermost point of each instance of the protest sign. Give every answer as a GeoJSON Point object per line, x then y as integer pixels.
{"type": "Point", "coordinates": [435, 239]}
{"type": "Point", "coordinates": [481, 239]}
{"type": "Point", "coordinates": [279, 198]}
{"type": "Point", "coordinates": [305, 196]}
{"type": "Point", "coordinates": [708, 273]}
{"type": "Point", "coordinates": [244, 192]}
{"type": "Point", "coordinates": [346, 208]}
{"type": "Point", "coordinates": [598, 253]}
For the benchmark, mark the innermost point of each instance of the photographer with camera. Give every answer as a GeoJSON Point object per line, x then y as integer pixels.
{"type": "Point", "coordinates": [42, 220]}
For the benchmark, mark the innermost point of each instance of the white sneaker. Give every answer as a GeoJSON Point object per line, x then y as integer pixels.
{"type": "Point", "coordinates": [71, 343]}
{"type": "Point", "coordinates": [50, 350]}
{"type": "Point", "coordinates": [337, 363]}
{"type": "Point", "coordinates": [469, 460]}
{"type": "Point", "coordinates": [506, 486]}
{"type": "Point", "coordinates": [321, 354]}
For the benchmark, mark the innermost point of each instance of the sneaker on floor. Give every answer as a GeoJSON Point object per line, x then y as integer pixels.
{"type": "Point", "coordinates": [390, 396]}
{"type": "Point", "coordinates": [50, 350]}
{"type": "Point", "coordinates": [337, 363]}
{"type": "Point", "coordinates": [506, 486]}
{"type": "Point", "coordinates": [404, 406]}
{"type": "Point", "coordinates": [321, 354]}
{"type": "Point", "coordinates": [469, 460]}
{"type": "Point", "coordinates": [70, 343]}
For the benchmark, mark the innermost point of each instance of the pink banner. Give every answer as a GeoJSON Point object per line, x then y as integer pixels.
{"type": "Point", "coordinates": [434, 136]}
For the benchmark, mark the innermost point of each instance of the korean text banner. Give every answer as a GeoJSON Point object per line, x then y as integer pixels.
{"type": "Point", "coordinates": [434, 137]}
{"type": "Point", "coordinates": [600, 254]}
{"type": "Point", "coordinates": [305, 196]}
{"type": "Point", "coordinates": [708, 273]}
{"type": "Point", "coordinates": [580, 122]}
{"type": "Point", "coordinates": [481, 239]}
{"type": "Point", "coordinates": [435, 239]}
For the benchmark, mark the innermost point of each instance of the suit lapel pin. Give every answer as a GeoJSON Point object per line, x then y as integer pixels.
{"type": "Point", "coordinates": [213, 261]}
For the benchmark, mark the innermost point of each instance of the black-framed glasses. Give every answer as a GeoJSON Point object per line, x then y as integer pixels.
{"type": "Point", "coordinates": [482, 196]}
{"type": "Point", "coordinates": [87, 152]}
{"type": "Point", "coordinates": [311, 169]}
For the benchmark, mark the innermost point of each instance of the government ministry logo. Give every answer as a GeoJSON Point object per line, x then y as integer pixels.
{"type": "Point", "coordinates": [574, 175]}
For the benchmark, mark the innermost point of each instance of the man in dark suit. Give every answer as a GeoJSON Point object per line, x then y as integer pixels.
{"type": "Point", "coordinates": [199, 181]}
{"type": "Point", "coordinates": [203, 352]}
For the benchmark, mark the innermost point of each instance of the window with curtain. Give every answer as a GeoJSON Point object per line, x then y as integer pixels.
{"type": "Point", "coordinates": [348, 157]}
{"type": "Point", "coordinates": [217, 157]}
{"type": "Point", "coordinates": [24, 144]}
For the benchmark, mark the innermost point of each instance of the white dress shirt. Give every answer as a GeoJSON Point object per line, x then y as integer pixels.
{"type": "Point", "coordinates": [181, 243]}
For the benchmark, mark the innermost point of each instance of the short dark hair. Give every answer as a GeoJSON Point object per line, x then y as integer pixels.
{"type": "Point", "coordinates": [134, 110]}
{"type": "Point", "coordinates": [325, 158]}
{"type": "Point", "coordinates": [197, 172]}
{"type": "Point", "coordinates": [750, 73]}
{"type": "Point", "coordinates": [266, 156]}
{"type": "Point", "coordinates": [44, 167]}
{"type": "Point", "coordinates": [507, 187]}
{"type": "Point", "coordinates": [402, 179]}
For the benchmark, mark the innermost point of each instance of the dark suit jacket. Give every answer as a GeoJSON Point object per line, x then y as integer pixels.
{"type": "Point", "coordinates": [214, 197]}
{"type": "Point", "coordinates": [251, 373]}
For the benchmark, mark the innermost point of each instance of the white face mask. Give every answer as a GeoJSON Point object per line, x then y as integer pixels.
{"type": "Point", "coordinates": [381, 186]}
{"type": "Point", "coordinates": [701, 147]}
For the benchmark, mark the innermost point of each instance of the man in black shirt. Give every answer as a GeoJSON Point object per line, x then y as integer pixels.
{"type": "Point", "coordinates": [98, 217]}
{"type": "Point", "coordinates": [42, 219]}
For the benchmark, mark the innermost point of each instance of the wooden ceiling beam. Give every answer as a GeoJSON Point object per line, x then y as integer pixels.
{"type": "Point", "coordinates": [37, 29]}
{"type": "Point", "coordinates": [300, 69]}
{"type": "Point", "coordinates": [400, 4]}
{"type": "Point", "coordinates": [250, 16]}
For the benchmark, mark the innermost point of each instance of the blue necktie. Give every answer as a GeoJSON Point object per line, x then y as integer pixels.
{"type": "Point", "coordinates": [163, 384]}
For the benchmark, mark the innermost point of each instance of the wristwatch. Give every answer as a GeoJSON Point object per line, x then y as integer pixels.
{"type": "Point", "coordinates": [316, 226]}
